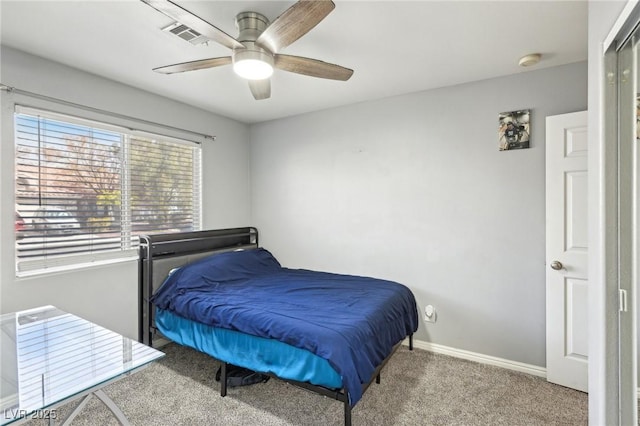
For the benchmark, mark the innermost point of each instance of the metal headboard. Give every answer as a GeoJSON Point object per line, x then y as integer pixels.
{"type": "Point", "coordinates": [160, 253]}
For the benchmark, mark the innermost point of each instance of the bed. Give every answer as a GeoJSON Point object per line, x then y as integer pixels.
{"type": "Point", "coordinates": [221, 293]}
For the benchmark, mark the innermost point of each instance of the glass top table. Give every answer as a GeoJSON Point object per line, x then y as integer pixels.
{"type": "Point", "coordinates": [49, 357]}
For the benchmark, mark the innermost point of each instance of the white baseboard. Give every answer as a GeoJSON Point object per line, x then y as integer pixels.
{"type": "Point", "coordinates": [481, 358]}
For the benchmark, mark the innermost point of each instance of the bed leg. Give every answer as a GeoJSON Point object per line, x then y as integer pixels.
{"type": "Point", "coordinates": [347, 411]}
{"type": "Point", "coordinates": [378, 379]}
{"type": "Point", "coordinates": [411, 342]}
{"type": "Point", "coordinates": [223, 379]}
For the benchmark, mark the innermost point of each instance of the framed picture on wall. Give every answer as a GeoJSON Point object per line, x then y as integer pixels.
{"type": "Point", "coordinates": [514, 130]}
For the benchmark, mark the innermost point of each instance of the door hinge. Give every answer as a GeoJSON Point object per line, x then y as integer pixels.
{"type": "Point", "coordinates": [623, 300]}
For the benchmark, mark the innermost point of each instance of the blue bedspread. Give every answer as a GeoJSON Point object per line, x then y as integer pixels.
{"type": "Point", "coordinates": [353, 322]}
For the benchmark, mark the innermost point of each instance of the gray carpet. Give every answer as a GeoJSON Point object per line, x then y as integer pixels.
{"type": "Point", "coordinates": [418, 388]}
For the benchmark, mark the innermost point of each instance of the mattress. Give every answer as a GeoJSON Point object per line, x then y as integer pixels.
{"type": "Point", "coordinates": [253, 352]}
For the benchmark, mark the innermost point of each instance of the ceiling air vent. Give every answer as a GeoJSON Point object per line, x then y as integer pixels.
{"type": "Point", "coordinates": [186, 33]}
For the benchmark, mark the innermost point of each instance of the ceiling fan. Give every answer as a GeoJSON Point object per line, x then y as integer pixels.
{"type": "Point", "coordinates": [255, 50]}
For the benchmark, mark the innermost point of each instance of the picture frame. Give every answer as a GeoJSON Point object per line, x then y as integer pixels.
{"type": "Point", "coordinates": [514, 130]}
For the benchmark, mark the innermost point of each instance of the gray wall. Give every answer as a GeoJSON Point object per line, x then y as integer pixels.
{"type": "Point", "coordinates": [108, 294]}
{"type": "Point", "coordinates": [413, 188]}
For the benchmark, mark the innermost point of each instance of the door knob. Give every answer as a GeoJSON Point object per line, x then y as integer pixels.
{"type": "Point", "coordinates": [556, 265]}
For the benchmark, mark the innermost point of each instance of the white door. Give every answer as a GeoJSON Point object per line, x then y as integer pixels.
{"type": "Point", "coordinates": [566, 257]}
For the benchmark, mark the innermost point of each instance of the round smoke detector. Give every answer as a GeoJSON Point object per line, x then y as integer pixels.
{"type": "Point", "coordinates": [529, 60]}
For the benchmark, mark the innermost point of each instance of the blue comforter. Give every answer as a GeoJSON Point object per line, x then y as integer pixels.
{"type": "Point", "coordinates": [353, 322]}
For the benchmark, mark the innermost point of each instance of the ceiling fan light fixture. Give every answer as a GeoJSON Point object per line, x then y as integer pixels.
{"type": "Point", "coordinates": [253, 64]}
{"type": "Point", "coordinates": [253, 69]}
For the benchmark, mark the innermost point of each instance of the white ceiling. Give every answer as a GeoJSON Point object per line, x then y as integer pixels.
{"type": "Point", "coordinates": [395, 47]}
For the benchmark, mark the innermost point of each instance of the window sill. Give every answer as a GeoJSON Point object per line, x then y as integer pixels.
{"type": "Point", "coordinates": [56, 270]}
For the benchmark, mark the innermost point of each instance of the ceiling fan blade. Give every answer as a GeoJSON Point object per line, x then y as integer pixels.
{"type": "Point", "coordinates": [187, 18]}
{"type": "Point", "coordinates": [194, 65]}
{"type": "Point", "coordinates": [294, 23]}
{"type": "Point", "coordinates": [312, 67]}
{"type": "Point", "coordinates": [260, 89]}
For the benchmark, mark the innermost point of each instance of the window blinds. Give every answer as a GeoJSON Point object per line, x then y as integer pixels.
{"type": "Point", "coordinates": [86, 190]}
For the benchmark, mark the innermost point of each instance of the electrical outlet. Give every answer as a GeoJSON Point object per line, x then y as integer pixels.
{"type": "Point", "coordinates": [430, 314]}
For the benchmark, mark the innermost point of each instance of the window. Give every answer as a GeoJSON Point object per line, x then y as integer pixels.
{"type": "Point", "coordinates": [86, 190]}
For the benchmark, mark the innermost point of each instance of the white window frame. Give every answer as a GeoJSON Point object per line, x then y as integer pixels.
{"type": "Point", "coordinates": [27, 268]}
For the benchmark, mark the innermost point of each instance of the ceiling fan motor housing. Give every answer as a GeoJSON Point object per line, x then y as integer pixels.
{"type": "Point", "coordinates": [250, 25]}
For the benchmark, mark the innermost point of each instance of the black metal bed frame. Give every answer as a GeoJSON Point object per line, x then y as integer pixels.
{"type": "Point", "coordinates": [337, 394]}
{"type": "Point", "coordinates": [164, 246]}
